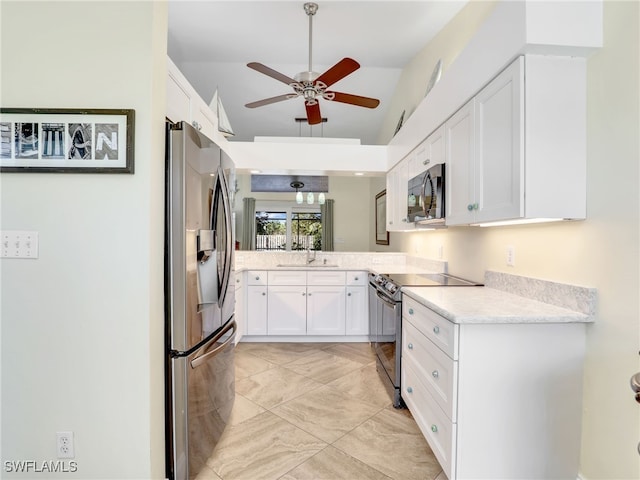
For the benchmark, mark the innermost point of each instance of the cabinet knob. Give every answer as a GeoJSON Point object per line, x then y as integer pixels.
{"type": "Point", "coordinates": [436, 329]}
{"type": "Point", "coordinates": [434, 428]}
{"type": "Point", "coordinates": [309, 294]}
{"type": "Point", "coordinates": [435, 374]}
{"type": "Point", "coordinates": [410, 346]}
{"type": "Point", "coordinates": [303, 294]}
{"type": "Point", "coordinates": [409, 390]}
{"type": "Point", "coordinates": [264, 293]}
{"type": "Point", "coordinates": [356, 279]}
{"type": "Point", "coordinates": [427, 161]}
{"type": "Point", "coordinates": [470, 207]}
{"type": "Point", "coordinates": [411, 311]}
{"type": "Point", "coordinates": [257, 278]}
{"type": "Point", "coordinates": [349, 294]}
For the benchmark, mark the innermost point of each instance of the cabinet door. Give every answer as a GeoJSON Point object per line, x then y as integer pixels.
{"type": "Point", "coordinates": [256, 310]}
{"type": "Point", "coordinates": [499, 139]}
{"type": "Point", "coordinates": [325, 310]}
{"type": "Point", "coordinates": [397, 191]}
{"type": "Point", "coordinates": [287, 311]}
{"type": "Point", "coordinates": [178, 98]}
{"type": "Point", "coordinates": [357, 311]}
{"type": "Point", "coordinates": [460, 200]}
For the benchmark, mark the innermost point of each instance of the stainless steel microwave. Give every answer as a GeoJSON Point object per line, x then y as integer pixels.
{"type": "Point", "coordinates": [425, 200]}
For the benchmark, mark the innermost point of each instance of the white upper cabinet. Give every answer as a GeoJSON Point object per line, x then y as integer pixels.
{"type": "Point", "coordinates": [516, 151]}
{"type": "Point", "coordinates": [397, 192]}
{"type": "Point", "coordinates": [430, 152]}
{"type": "Point", "coordinates": [184, 103]}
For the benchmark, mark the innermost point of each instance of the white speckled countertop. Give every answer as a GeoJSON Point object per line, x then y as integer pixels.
{"type": "Point", "coordinates": [488, 305]}
{"type": "Point", "coordinates": [509, 298]}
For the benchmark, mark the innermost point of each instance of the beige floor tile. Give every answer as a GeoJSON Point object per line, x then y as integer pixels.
{"type": "Point", "coordinates": [280, 353]}
{"type": "Point", "coordinates": [364, 384]}
{"type": "Point", "coordinates": [323, 366]}
{"type": "Point", "coordinates": [243, 409]}
{"type": "Point", "coordinates": [264, 447]}
{"type": "Point", "coordinates": [205, 474]}
{"type": "Point", "coordinates": [274, 386]}
{"type": "Point", "coordinates": [247, 364]}
{"type": "Point", "coordinates": [357, 352]}
{"type": "Point", "coordinates": [392, 443]}
{"type": "Point", "coordinates": [333, 464]}
{"type": "Point", "coordinates": [326, 413]}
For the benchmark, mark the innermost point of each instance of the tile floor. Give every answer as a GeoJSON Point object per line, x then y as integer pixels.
{"type": "Point", "coordinates": [316, 412]}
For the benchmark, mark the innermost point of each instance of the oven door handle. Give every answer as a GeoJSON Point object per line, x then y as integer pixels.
{"type": "Point", "coordinates": [385, 300]}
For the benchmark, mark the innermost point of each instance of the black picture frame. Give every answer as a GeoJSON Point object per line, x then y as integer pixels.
{"type": "Point", "coordinates": [382, 235]}
{"type": "Point", "coordinates": [67, 140]}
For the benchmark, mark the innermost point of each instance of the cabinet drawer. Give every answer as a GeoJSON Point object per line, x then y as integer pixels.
{"type": "Point", "coordinates": [256, 277]}
{"type": "Point", "coordinates": [357, 278]}
{"type": "Point", "coordinates": [333, 277]}
{"type": "Point", "coordinates": [438, 430]}
{"type": "Point", "coordinates": [435, 327]}
{"type": "Point", "coordinates": [438, 372]}
{"type": "Point", "coordinates": [287, 277]}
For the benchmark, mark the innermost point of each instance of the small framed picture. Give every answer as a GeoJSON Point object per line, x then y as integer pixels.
{"type": "Point", "coordinates": [66, 140]}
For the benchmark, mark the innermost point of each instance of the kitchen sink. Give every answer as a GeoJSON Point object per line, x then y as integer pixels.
{"type": "Point", "coordinates": [310, 265]}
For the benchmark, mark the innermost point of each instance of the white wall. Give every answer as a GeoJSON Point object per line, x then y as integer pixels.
{"type": "Point", "coordinates": [352, 210]}
{"type": "Point", "coordinates": [82, 325]}
{"type": "Point", "coordinates": [601, 252]}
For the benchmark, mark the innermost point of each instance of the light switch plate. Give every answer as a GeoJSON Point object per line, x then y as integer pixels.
{"type": "Point", "coordinates": [18, 244]}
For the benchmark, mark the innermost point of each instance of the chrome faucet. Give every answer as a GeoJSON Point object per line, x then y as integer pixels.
{"type": "Point", "coordinates": [310, 258]}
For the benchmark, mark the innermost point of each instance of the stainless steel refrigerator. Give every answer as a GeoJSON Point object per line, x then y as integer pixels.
{"type": "Point", "coordinates": [199, 290]}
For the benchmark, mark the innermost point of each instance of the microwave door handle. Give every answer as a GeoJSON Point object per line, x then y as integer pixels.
{"type": "Point", "coordinates": [427, 180]}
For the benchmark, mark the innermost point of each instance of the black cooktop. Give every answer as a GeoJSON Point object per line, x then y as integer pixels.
{"type": "Point", "coordinates": [428, 280]}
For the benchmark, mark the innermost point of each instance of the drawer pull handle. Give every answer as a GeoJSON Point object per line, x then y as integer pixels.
{"type": "Point", "coordinates": [434, 428]}
{"type": "Point", "coordinates": [409, 390]}
{"type": "Point", "coordinates": [411, 311]}
{"type": "Point", "coordinates": [257, 278]}
{"type": "Point", "coordinates": [435, 374]}
{"type": "Point", "coordinates": [410, 346]}
{"type": "Point", "coordinates": [356, 279]}
{"type": "Point", "coordinates": [436, 330]}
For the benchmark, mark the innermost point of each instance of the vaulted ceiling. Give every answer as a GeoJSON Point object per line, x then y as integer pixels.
{"type": "Point", "coordinates": [212, 42]}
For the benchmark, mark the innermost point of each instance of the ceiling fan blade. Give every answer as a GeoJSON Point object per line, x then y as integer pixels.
{"type": "Point", "coordinates": [313, 113]}
{"type": "Point", "coordinates": [351, 99]}
{"type": "Point", "coordinates": [268, 101]}
{"type": "Point", "coordinates": [271, 73]}
{"type": "Point", "coordinates": [340, 70]}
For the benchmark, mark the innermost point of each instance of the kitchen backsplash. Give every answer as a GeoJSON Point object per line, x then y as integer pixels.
{"type": "Point", "coordinates": [572, 297]}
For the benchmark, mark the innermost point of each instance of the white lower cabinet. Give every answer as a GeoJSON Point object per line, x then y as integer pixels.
{"type": "Point", "coordinates": [495, 400]}
{"type": "Point", "coordinates": [299, 303]}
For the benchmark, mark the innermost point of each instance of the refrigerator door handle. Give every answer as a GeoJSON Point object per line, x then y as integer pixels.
{"type": "Point", "coordinates": [212, 352]}
{"type": "Point", "coordinates": [228, 253]}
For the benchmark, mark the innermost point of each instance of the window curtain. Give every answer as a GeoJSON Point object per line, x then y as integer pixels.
{"type": "Point", "coordinates": [326, 212]}
{"type": "Point", "coordinates": [248, 240]}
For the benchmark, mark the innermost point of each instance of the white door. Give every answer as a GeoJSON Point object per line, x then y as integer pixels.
{"type": "Point", "coordinates": [460, 196]}
{"type": "Point", "coordinates": [325, 310]}
{"type": "Point", "coordinates": [499, 139]}
{"type": "Point", "coordinates": [357, 311]}
{"type": "Point", "coordinates": [256, 310]}
{"type": "Point", "coordinates": [287, 310]}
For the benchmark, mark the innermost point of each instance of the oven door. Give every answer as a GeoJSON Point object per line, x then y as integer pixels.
{"type": "Point", "coordinates": [385, 335]}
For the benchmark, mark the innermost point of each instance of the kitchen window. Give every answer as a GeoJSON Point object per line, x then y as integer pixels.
{"type": "Point", "coordinates": [288, 228]}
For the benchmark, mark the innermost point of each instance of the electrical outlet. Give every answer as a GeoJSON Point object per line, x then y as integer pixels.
{"type": "Point", "coordinates": [440, 252]}
{"type": "Point", "coordinates": [511, 256]}
{"type": "Point", "coordinates": [64, 445]}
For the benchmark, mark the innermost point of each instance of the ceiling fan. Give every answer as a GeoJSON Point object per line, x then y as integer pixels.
{"type": "Point", "coordinates": [313, 86]}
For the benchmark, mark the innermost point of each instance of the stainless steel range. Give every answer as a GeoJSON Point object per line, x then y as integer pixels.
{"type": "Point", "coordinates": [385, 319]}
